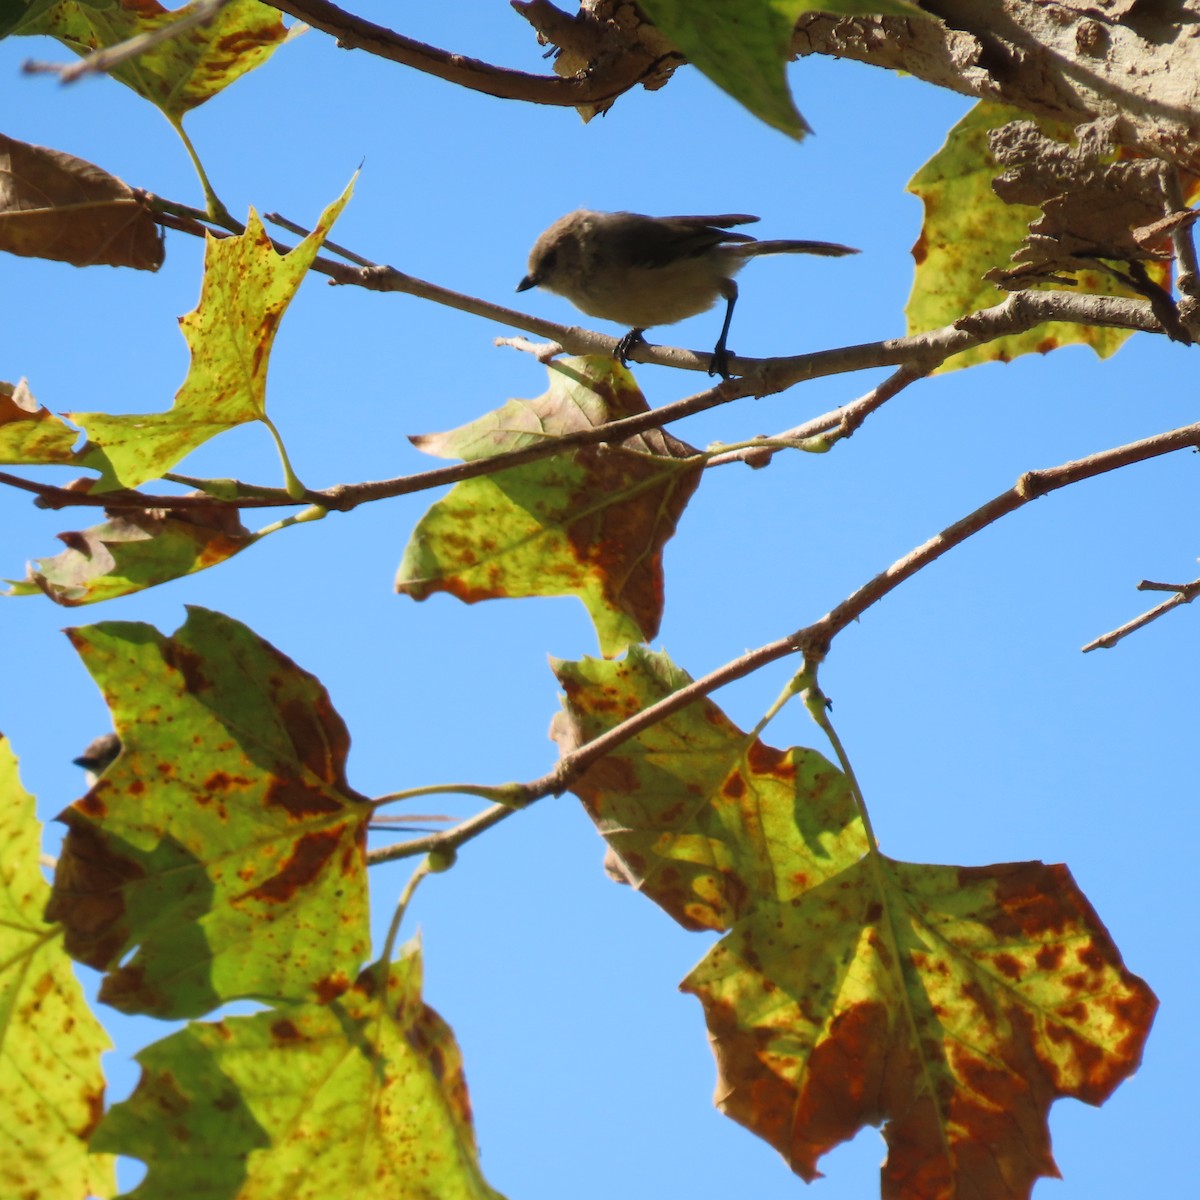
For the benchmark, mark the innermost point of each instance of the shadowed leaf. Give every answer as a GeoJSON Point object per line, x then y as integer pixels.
{"type": "Point", "coordinates": [224, 843]}
{"type": "Point", "coordinates": [591, 522]}
{"type": "Point", "coordinates": [53, 205]}
{"type": "Point", "coordinates": [51, 1085]}
{"type": "Point", "coordinates": [364, 1096]}
{"type": "Point", "coordinates": [743, 46]}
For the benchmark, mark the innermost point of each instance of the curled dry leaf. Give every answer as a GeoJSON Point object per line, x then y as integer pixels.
{"type": "Point", "coordinates": [53, 205]}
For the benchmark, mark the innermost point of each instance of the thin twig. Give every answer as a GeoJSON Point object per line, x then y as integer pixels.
{"type": "Point", "coordinates": [1185, 593]}
{"type": "Point", "coordinates": [114, 56]}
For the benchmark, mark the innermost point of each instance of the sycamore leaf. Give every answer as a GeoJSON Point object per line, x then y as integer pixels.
{"type": "Point", "coordinates": [56, 206]}
{"type": "Point", "coordinates": [224, 843]}
{"type": "Point", "coordinates": [1007, 994]}
{"type": "Point", "coordinates": [246, 290]}
{"type": "Point", "coordinates": [690, 805]}
{"type": "Point", "coordinates": [743, 46]}
{"type": "Point", "coordinates": [591, 522]}
{"type": "Point", "coordinates": [136, 549]}
{"type": "Point", "coordinates": [364, 1096]}
{"type": "Point", "coordinates": [30, 433]}
{"type": "Point", "coordinates": [970, 231]}
{"type": "Point", "coordinates": [183, 71]}
{"type": "Point", "coordinates": [51, 1085]}
{"type": "Point", "coordinates": [951, 1004]}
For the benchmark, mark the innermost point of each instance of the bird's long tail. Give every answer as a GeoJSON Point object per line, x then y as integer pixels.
{"type": "Point", "coordinates": [789, 246]}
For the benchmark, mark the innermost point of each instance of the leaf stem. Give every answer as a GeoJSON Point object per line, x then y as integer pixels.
{"type": "Point", "coordinates": [214, 209]}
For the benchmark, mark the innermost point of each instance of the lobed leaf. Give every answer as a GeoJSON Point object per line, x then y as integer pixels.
{"type": "Point", "coordinates": [951, 1004]}
{"type": "Point", "coordinates": [363, 1096]}
{"type": "Point", "coordinates": [56, 206]}
{"type": "Point", "coordinates": [180, 73]}
{"type": "Point", "coordinates": [247, 288]}
{"type": "Point", "coordinates": [51, 1085]}
{"type": "Point", "coordinates": [969, 231]}
{"type": "Point", "coordinates": [136, 549]}
{"type": "Point", "coordinates": [224, 843]}
{"type": "Point", "coordinates": [690, 805]}
{"type": "Point", "coordinates": [591, 522]}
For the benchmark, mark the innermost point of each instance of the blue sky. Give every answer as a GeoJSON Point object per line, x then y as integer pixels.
{"type": "Point", "coordinates": [979, 732]}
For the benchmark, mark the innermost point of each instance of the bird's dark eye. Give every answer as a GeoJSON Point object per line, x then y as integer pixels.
{"type": "Point", "coordinates": [548, 263]}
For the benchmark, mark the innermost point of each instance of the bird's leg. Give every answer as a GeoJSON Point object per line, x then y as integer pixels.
{"type": "Point", "coordinates": [719, 363]}
{"type": "Point", "coordinates": [628, 344]}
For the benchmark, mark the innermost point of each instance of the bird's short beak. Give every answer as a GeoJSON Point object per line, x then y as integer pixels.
{"type": "Point", "coordinates": [526, 283]}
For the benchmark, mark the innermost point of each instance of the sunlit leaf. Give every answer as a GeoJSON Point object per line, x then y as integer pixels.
{"type": "Point", "coordinates": [364, 1096]}
{"type": "Point", "coordinates": [591, 522]}
{"type": "Point", "coordinates": [56, 206]}
{"type": "Point", "coordinates": [968, 231]}
{"type": "Point", "coordinates": [743, 46]}
{"type": "Point", "coordinates": [689, 805]}
{"type": "Point", "coordinates": [247, 289]}
{"type": "Point", "coordinates": [224, 843]}
{"type": "Point", "coordinates": [136, 549]}
{"type": "Point", "coordinates": [51, 1085]}
{"type": "Point", "coordinates": [183, 71]}
{"type": "Point", "coordinates": [952, 1005]}
{"type": "Point", "coordinates": [30, 433]}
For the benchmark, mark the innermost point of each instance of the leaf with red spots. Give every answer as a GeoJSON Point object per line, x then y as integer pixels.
{"type": "Point", "coordinates": [51, 1085]}
{"type": "Point", "coordinates": [224, 843]}
{"type": "Point", "coordinates": [136, 549]}
{"type": "Point", "coordinates": [30, 433]}
{"type": "Point", "coordinates": [591, 522]}
{"type": "Point", "coordinates": [968, 231]}
{"type": "Point", "coordinates": [182, 72]}
{"type": "Point", "coordinates": [247, 288]}
{"type": "Point", "coordinates": [364, 1096]}
{"type": "Point", "coordinates": [951, 1004]}
{"type": "Point", "coordinates": [691, 805]}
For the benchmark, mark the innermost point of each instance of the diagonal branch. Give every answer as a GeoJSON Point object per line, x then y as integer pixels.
{"type": "Point", "coordinates": [1185, 593]}
{"type": "Point", "coordinates": [814, 640]}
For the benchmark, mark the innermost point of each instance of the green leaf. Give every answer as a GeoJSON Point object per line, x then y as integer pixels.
{"type": "Point", "coordinates": [133, 550]}
{"type": "Point", "coordinates": [364, 1096]}
{"type": "Point", "coordinates": [30, 433]}
{"type": "Point", "coordinates": [690, 805]}
{"type": "Point", "coordinates": [591, 522]}
{"type": "Point", "coordinates": [744, 46]}
{"type": "Point", "coordinates": [951, 1004]}
{"type": "Point", "coordinates": [246, 290]}
{"type": "Point", "coordinates": [968, 230]}
{"type": "Point", "coordinates": [185, 70]}
{"type": "Point", "coordinates": [224, 842]}
{"type": "Point", "coordinates": [51, 1085]}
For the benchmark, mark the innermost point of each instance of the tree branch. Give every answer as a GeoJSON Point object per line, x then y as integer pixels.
{"type": "Point", "coordinates": [814, 640]}
{"type": "Point", "coordinates": [616, 70]}
{"type": "Point", "coordinates": [1185, 593]}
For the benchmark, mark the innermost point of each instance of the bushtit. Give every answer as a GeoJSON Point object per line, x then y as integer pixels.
{"type": "Point", "coordinates": [642, 271]}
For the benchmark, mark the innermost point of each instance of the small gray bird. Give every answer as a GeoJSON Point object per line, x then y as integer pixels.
{"type": "Point", "coordinates": [642, 271]}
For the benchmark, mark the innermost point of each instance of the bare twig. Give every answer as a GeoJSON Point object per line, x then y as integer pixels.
{"type": "Point", "coordinates": [115, 56]}
{"type": "Point", "coordinates": [1185, 593]}
{"type": "Point", "coordinates": [814, 640]}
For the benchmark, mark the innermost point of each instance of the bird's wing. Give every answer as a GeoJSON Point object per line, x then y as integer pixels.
{"type": "Point", "coordinates": [660, 241]}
